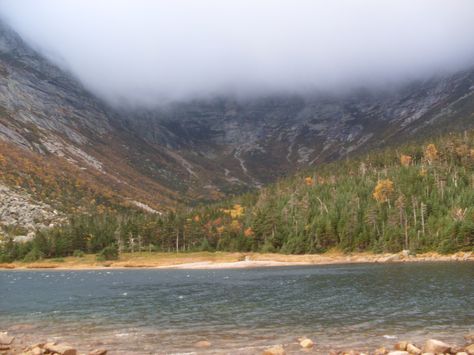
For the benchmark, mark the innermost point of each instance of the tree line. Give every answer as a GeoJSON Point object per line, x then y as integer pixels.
{"type": "Point", "coordinates": [417, 196]}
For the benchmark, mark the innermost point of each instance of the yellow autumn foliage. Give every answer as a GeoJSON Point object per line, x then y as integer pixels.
{"type": "Point", "coordinates": [235, 212]}
{"type": "Point", "coordinates": [431, 153]}
{"type": "Point", "coordinates": [383, 190]}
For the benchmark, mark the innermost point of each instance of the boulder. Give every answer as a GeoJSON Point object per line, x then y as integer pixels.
{"type": "Point", "coordinates": [436, 347]}
{"type": "Point", "coordinates": [457, 349]}
{"type": "Point", "coordinates": [37, 351]}
{"type": "Point", "coordinates": [98, 352]}
{"type": "Point", "coordinates": [469, 349]}
{"type": "Point", "coordinates": [398, 352]}
{"type": "Point", "coordinates": [412, 349]}
{"type": "Point", "coordinates": [274, 350]}
{"type": "Point", "coordinates": [469, 338]}
{"type": "Point", "coordinates": [306, 343]}
{"type": "Point", "coordinates": [61, 349]}
{"type": "Point", "coordinates": [462, 353]}
{"type": "Point", "coordinates": [405, 253]}
{"type": "Point", "coordinates": [401, 345]}
{"type": "Point", "coordinates": [6, 339]}
{"type": "Point", "coordinates": [381, 351]}
{"type": "Point", "coordinates": [203, 344]}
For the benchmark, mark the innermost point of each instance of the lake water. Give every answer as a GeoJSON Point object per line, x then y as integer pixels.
{"type": "Point", "coordinates": [240, 311]}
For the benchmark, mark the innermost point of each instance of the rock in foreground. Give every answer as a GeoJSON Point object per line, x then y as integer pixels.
{"type": "Point", "coordinates": [6, 339]}
{"type": "Point", "coordinates": [436, 347]}
{"type": "Point", "coordinates": [61, 349]}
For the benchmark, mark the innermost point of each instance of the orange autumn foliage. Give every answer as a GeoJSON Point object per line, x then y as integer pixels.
{"type": "Point", "coordinates": [383, 190]}
{"type": "Point", "coordinates": [309, 181]}
{"type": "Point", "coordinates": [405, 160]}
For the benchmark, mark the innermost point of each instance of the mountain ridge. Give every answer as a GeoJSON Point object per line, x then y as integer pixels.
{"type": "Point", "coordinates": [199, 150]}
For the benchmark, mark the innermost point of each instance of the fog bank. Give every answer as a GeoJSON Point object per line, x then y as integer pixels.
{"type": "Point", "coordinates": [147, 52]}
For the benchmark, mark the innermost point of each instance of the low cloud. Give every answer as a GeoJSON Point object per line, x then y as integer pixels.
{"type": "Point", "coordinates": [145, 52]}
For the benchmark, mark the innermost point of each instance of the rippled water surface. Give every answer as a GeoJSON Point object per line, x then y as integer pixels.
{"type": "Point", "coordinates": [240, 311]}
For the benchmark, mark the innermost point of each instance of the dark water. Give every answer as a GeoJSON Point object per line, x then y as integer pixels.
{"type": "Point", "coordinates": [240, 311]}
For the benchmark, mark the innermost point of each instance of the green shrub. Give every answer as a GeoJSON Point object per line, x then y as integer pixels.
{"type": "Point", "coordinates": [205, 246]}
{"type": "Point", "coordinates": [78, 254]}
{"type": "Point", "coordinates": [33, 255]}
{"type": "Point", "coordinates": [108, 253]}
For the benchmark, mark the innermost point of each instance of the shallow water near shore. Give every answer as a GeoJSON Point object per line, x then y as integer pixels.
{"type": "Point", "coordinates": [358, 306]}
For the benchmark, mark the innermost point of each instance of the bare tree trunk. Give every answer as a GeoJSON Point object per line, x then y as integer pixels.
{"type": "Point", "coordinates": [407, 242]}
{"type": "Point", "coordinates": [184, 239]}
{"type": "Point", "coordinates": [131, 242]}
{"type": "Point", "coordinates": [177, 240]}
{"type": "Point", "coordinates": [422, 210]}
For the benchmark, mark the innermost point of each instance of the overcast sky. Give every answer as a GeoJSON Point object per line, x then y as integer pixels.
{"type": "Point", "coordinates": [144, 52]}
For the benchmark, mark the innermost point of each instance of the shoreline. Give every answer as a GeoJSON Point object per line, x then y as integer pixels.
{"type": "Point", "coordinates": [22, 344]}
{"type": "Point", "coordinates": [223, 260]}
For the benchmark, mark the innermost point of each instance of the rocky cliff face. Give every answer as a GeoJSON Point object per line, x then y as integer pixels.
{"type": "Point", "coordinates": [198, 150]}
{"type": "Point", "coordinates": [255, 141]}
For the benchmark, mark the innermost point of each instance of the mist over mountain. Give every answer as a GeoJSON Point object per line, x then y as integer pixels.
{"type": "Point", "coordinates": [146, 53]}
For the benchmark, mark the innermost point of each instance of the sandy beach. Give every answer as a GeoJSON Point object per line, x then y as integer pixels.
{"type": "Point", "coordinates": [223, 260]}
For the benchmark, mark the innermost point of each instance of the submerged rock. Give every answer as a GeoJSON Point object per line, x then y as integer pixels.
{"type": "Point", "coordinates": [203, 344]}
{"type": "Point", "coordinates": [436, 347]}
{"type": "Point", "coordinates": [274, 350]}
{"type": "Point", "coordinates": [98, 352]}
{"type": "Point", "coordinates": [306, 343]}
{"type": "Point", "coordinates": [381, 351]}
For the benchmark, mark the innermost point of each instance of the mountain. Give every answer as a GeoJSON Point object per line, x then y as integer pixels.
{"type": "Point", "coordinates": [66, 150]}
{"type": "Point", "coordinates": [415, 198]}
{"type": "Point", "coordinates": [255, 141]}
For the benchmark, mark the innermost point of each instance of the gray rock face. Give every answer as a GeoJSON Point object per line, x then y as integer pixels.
{"type": "Point", "coordinates": [17, 208]}
{"type": "Point", "coordinates": [217, 146]}
{"type": "Point", "coordinates": [253, 139]}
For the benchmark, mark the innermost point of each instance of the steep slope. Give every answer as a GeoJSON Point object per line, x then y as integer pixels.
{"type": "Point", "coordinates": [254, 141]}
{"type": "Point", "coordinates": [416, 197]}
{"type": "Point", "coordinates": [68, 149]}
{"type": "Point", "coordinates": [56, 136]}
